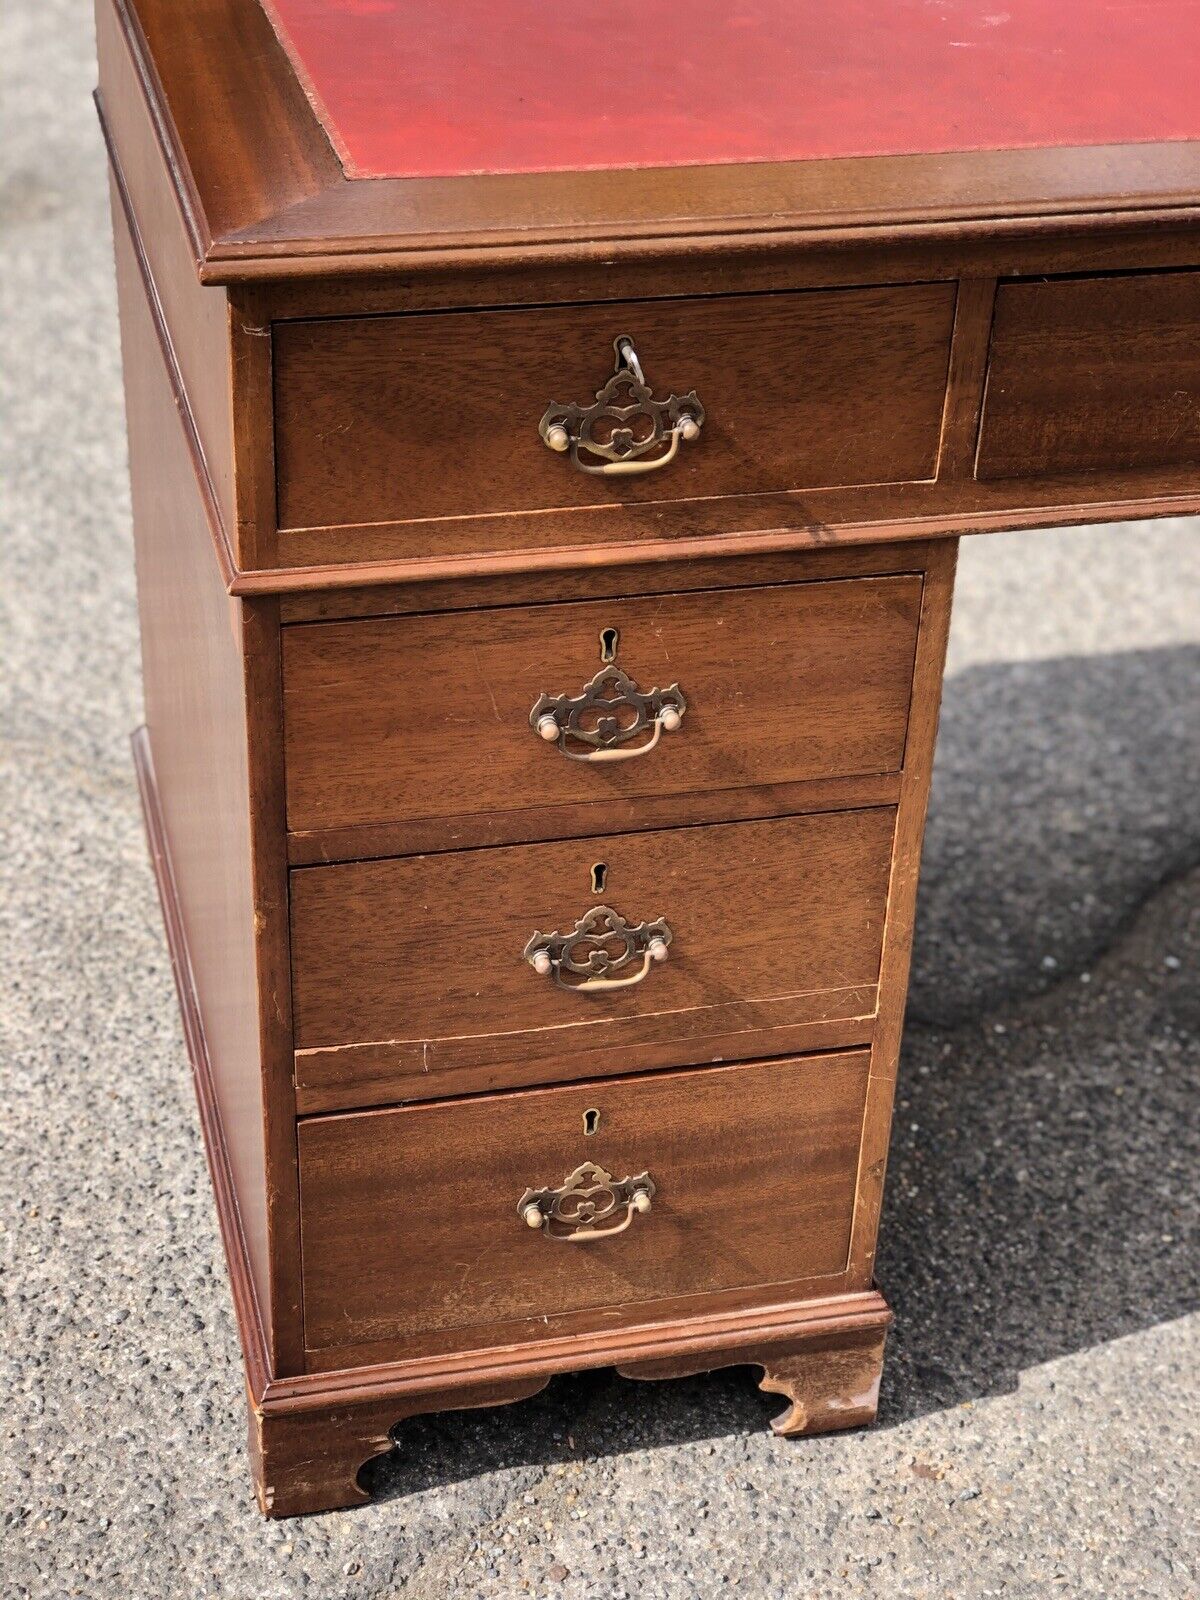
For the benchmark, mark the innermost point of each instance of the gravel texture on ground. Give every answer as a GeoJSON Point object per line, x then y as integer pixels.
{"type": "Point", "coordinates": [1039, 1429]}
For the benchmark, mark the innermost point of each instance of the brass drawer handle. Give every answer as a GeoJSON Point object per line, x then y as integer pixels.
{"type": "Point", "coordinates": [625, 429]}
{"type": "Point", "coordinates": [587, 1204]}
{"type": "Point", "coordinates": [610, 712]}
{"type": "Point", "coordinates": [583, 960]}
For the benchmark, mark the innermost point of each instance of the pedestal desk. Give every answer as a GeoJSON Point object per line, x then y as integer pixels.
{"type": "Point", "coordinates": [549, 437]}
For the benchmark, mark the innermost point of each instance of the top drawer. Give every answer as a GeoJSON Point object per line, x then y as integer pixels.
{"type": "Point", "coordinates": [597, 704]}
{"type": "Point", "coordinates": [399, 420]}
{"type": "Point", "coordinates": [1093, 375]}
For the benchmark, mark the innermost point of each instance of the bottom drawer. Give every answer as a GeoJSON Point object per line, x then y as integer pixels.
{"type": "Point", "coordinates": [411, 1218]}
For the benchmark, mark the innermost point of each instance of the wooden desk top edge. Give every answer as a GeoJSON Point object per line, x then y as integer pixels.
{"type": "Point", "coordinates": [264, 196]}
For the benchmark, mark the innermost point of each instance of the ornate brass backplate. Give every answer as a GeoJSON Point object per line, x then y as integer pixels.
{"type": "Point", "coordinates": [625, 429]}
{"type": "Point", "coordinates": [590, 1204]}
{"type": "Point", "coordinates": [602, 945]}
{"type": "Point", "coordinates": [604, 721]}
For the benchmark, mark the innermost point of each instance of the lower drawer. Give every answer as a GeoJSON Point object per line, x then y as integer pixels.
{"type": "Point", "coordinates": [423, 977]}
{"type": "Point", "coordinates": [416, 1219]}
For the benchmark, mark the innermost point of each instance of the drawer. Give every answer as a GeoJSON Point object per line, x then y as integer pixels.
{"type": "Point", "coordinates": [417, 977]}
{"type": "Point", "coordinates": [1093, 375]}
{"type": "Point", "coordinates": [406, 719]}
{"type": "Point", "coordinates": [411, 1218]}
{"type": "Point", "coordinates": [425, 417]}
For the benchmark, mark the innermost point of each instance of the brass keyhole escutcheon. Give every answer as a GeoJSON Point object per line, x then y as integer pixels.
{"type": "Point", "coordinates": [591, 1122]}
{"type": "Point", "coordinates": [599, 877]}
{"type": "Point", "coordinates": [609, 639]}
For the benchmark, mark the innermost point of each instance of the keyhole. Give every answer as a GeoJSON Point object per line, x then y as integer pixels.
{"type": "Point", "coordinates": [599, 873]}
{"type": "Point", "coordinates": [591, 1121]}
{"type": "Point", "coordinates": [609, 638]}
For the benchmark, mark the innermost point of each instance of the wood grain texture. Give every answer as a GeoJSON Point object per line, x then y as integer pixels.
{"type": "Point", "coordinates": [219, 534]}
{"type": "Point", "coordinates": [426, 717]}
{"type": "Point", "coordinates": [619, 814]}
{"type": "Point", "coordinates": [902, 904]}
{"type": "Point", "coordinates": [266, 196]}
{"type": "Point", "coordinates": [412, 419]}
{"type": "Point", "coordinates": [775, 924]}
{"type": "Point", "coordinates": [310, 1435]}
{"type": "Point", "coordinates": [351, 1077]}
{"type": "Point", "coordinates": [235, 131]}
{"type": "Point", "coordinates": [968, 374]}
{"type": "Point", "coordinates": [1121, 247]}
{"type": "Point", "coordinates": [154, 149]}
{"type": "Point", "coordinates": [406, 335]}
{"type": "Point", "coordinates": [259, 637]}
{"type": "Point", "coordinates": [831, 1383]}
{"type": "Point", "coordinates": [250, 373]}
{"type": "Point", "coordinates": [668, 1329]}
{"type": "Point", "coordinates": [611, 582]}
{"type": "Point", "coordinates": [311, 1460]}
{"type": "Point", "coordinates": [749, 525]}
{"type": "Point", "coordinates": [1098, 375]}
{"type": "Point", "coordinates": [424, 1199]}
{"type": "Point", "coordinates": [196, 727]}
{"type": "Point", "coordinates": [248, 1312]}
{"type": "Point", "coordinates": [194, 319]}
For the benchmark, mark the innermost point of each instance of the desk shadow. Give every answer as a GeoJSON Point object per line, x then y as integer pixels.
{"type": "Point", "coordinates": [1041, 1196]}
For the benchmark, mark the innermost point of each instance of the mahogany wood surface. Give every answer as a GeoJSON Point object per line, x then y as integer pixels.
{"type": "Point", "coordinates": [406, 968]}
{"type": "Point", "coordinates": [264, 193]}
{"type": "Point", "coordinates": [408, 719]}
{"type": "Point", "coordinates": [196, 729]}
{"type": "Point", "coordinates": [249, 1310]}
{"type": "Point", "coordinates": [736, 524]}
{"type": "Point", "coordinates": [257, 560]}
{"type": "Point", "coordinates": [211, 682]}
{"type": "Point", "coordinates": [377, 1073]}
{"type": "Point", "coordinates": [1093, 375]}
{"type": "Point", "coordinates": [411, 419]}
{"type": "Point", "coordinates": [193, 320]}
{"type": "Point", "coordinates": [612, 581]}
{"type": "Point", "coordinates": [358, 566]}
{"type": "Point", "coordinates": [1120, 248]}
{"type": "Point", "coordinates": [831, 1383]}
{"type": "Point", "coordinates": [902, 907]}
{"type": "Point", "coordinates": [306, 1461]}
{"type": "Point", "coordinates": [618, 814]}
{"type": "Point", "coordinates": [309, 1435]}
{"type": "Point", "coordinates": [308, 1444]}
{"type": "Point", "coordinates": [424, 1199]}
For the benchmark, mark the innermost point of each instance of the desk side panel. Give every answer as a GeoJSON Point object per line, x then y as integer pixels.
{"type": "Point", "coordinates": [196, 318]}
{"type": "Point", "coordinates": [195, 713]}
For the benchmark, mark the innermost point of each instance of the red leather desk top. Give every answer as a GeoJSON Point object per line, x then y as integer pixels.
{"type": "Point", "coordinates": [421, 88]}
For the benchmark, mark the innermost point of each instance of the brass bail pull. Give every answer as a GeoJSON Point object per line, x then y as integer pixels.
{"type": "Point", "coordinates": [590, 1204]}
{"type": "Point", "coordinates": [625, 429]}
{"type": "Point", "coordinates": [611, 720]}
{"type": "Point", "coordinates": [601, 953]}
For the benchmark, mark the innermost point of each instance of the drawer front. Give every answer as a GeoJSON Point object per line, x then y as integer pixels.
{"type": "Point", "coordinates": [410, 1217]}
{"type": "Point", "coordinates": [416, 977]}
{"type": "Point", "coordinates": [411, 419]}
{"type": "Point", "coordinates": [405, 719]}
{"type": "Point", "coordinates": [1096, 374]}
